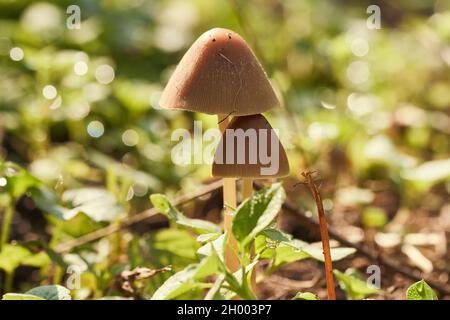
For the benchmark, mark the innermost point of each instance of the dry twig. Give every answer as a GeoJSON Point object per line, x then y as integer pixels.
{"type": "Point", "coordinates": [323, 233]}
{"type": "Point", "coordinates": [125, 281]}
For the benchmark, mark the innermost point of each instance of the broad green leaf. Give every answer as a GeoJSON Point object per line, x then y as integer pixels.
{"type": "Point", "coordinates": [53, 292]}
{"type": "Point", "coordinates": [19, 182]}
{"type": "Point", "coordinates": [218, 245]}
{"type": "Point", "coordinates": [257, 213]}
{"type": "Point", "coordinates": [77, 225]}
{"type": "Point", "coordinates": [97, 203]}
{"type": "Point", "coordinates": [82, 210]}
{"type": "Point", "coordinates": [161, 203]}
{"type": "Point", "coordinates": [356, 289]}
{"type": "Point", "coordinates": [305, 296]}
{"type": "Point", "coordinates": [272, 242]}
{"type": "Point", "coordinates": [207, 237]}
{"type": "Point", "coordinates": [283, 249]}
{"type": "Point", "coordinates": [178, 284]}
{"type": "Point", "coordinates": [174, 247]}
{"type": "Point", "coordinates": [277, 235]}
{"type": "Point", "coordinates": [428, 173]}
{"type": "Point", "coordinates": [187, 279]}
{"type": "Point", "coordinates": [48, 201]}
{"type": "Point", "coordinates": [210, 265]}
{"type": "Point", "coordinates": [13, 256]}
{"type": "Point", "coordinates": [420, 291]}
{"type": "Point", "coordinates": [36, 260]}
{"type": "Point", "coordinates": [336, 253]}
{"type": "Point", "coordinates": [20, 296]}
{"type": "Point", "coordinates": [285, 254]}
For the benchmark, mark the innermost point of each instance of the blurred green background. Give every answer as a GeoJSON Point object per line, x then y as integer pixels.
{"type": "Point", "coordinates": [369, 109]}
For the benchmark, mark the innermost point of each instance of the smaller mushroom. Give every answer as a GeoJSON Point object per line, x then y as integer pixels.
{"type": "Point", "coordinates": [250, 149]}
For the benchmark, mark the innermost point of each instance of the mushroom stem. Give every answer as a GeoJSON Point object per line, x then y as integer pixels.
{"type": "Point", "coordinates": [229, 202]}
{"type": "Point", "coordinates": [247, 188]}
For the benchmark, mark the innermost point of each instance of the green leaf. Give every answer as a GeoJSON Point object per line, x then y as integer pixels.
{"type": "Point", "coordinates": [48, 201]}
{"type": "Point", "coordinates": [82, 211]}
{"type": "Point", "coordinates": [428, 173]}
{"type": "Point", "coordinates": [257, 213]}
{"type": "Point", "coordinates": [53, 292]}
{"type": "Point", "coordinates": [36, 260]}
{"type": "Point", "coordinates": [97, 203]}
{"type": "Point", "coordinates": [187, 279]}
{"type": "Point", "coordinates": [209, 265]}
{"type": "Point", "coordinates": [336, 253]}
{"type": "Point", "coordinates": [76, 226]}
{"type": "Point", "coordinates": [174, 247]}
{"type": "Point", "coordinates": [283, 249]}
{"type": "Point", "coordinates": [239, 283]}
{"type": "Point", "coordinates": [20, 296]}
{"type": "Point", "coordinates": [161, 203]}
{"type": "Point", "coordinates": [356, 289]}
{"type": "Point", "coordinates": [208, 237]}
{"type": "Point", "coordinates": [218, 245]}
{"type": "Point", "coordinates": [13, 256]}
{"type": "Point", "coordinates": [277, 235]}
{"type": "Point", "coordinates": [191, 278]}
{"type": "Point", "coordinates": [20, 182]}
{"type": "Point", "coordinates": [214, 292]}
{"type": "Point", "coordinates": [374, 217]}
{"type": "Point", "coordinates": [420, 291]}
{"type": "Point", "coordinates": [280, 247]}
{"type": "Point", "coordinates": [178, 284]}
{"type": "Point", "coordinates": [305, 296]}
{"type": "Point", "coordinates": [286, 254]}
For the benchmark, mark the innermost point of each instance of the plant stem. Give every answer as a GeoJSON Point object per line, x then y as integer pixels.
{"type": "Point", "coordinates": [247, 191]}
{"type": "Point", "coordinates": [9, 277]}
{"type": "Point", "coordinates": [229, 201]}
{"type": "Point", "coordinates": [7, 219]}
{"type": "Point", "coordinates": [323, 234]}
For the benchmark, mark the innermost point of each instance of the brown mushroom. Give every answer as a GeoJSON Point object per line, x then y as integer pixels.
{"type": "Point", "coordinates": [246, 147]}
{"type": "Point", "coordinates": [219, 74]}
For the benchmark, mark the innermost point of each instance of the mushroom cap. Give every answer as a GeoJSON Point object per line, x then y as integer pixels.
{"type": "Point", "coordinates": [219, 74]}
{"type": "Point", "coordinates": [246, 153]}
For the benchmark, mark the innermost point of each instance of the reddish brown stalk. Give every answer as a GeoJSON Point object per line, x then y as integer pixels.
{"type": "Point", "coordinates": [323, 233]}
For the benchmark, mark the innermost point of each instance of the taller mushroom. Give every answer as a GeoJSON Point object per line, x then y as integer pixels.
{"type": "Point", "coordinates": [220, 75]}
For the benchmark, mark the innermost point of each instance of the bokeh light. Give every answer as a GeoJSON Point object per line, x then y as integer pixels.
{"type": "Point", "coordinates": [95, 129]}
{"type": "Point", "coordinates": [104, 74]}
{"type": "Point", "coordinates": [16, 54]}
{"type": "Point", "coordinates": [130, 137]}
{"type": "Point", "coordinates": [49, 92]}
{"type": "Point", "coordinates": [80, 68]}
